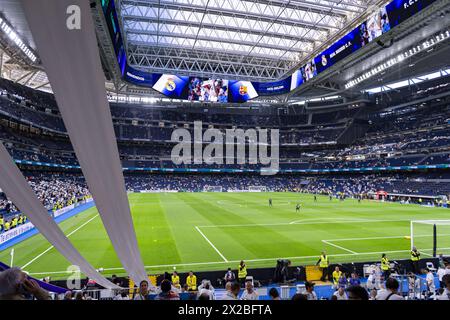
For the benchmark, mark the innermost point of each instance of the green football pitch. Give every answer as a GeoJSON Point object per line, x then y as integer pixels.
{"type": "Point", "coordinates": [214, 231]}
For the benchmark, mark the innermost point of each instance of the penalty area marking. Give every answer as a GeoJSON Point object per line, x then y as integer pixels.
{"type": "Point", "coordinates": [212, 245]}
{"type": "Point", "coordinates": [339, 247]}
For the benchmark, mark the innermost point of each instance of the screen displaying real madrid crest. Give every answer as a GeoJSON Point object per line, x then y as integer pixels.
{"type": "Point", "coordinates": [172, 86]}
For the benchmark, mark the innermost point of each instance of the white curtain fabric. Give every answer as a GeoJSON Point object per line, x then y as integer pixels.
{"type": "Point", "coordinates": [20, 193]}
{"type": "Point", "coordinates": [72, 63]}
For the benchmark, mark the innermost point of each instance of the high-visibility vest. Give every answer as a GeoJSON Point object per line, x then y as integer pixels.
{"type": "Point", "coordinates": [14, 222]}
{"type": "Point", "coordinates": [415, 256]}
{"type": "Point", "coordinates": [20, 220]}
{"type": "Point", "coordinates": [385, 264]}
{"type": "Point", "coordinates": [176, 281]}
{"type": "Point", "coordinates": [242, 272]}
{"type": "Point", "coordinates": [2, 221]}
{"type": "Point", "coordinates": [192, 282]}
{"type": "Point", "coordinates": [336, 276]}
{"type": "Point", "coordinates": [323, 261]}
{"type": "Point", "coordinates": [7, 226]}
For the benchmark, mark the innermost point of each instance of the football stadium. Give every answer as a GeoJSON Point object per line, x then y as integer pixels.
{"type": "Point", "coordinates": [224, 150]}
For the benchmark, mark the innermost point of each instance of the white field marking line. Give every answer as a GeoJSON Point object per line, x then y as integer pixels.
{"type": "Point", "coordinates": [339, 247]}
{"type": "Point", "coordinates": [212, 245]}
{"type": "Point", "coordinates": [387, 237]}
{"type": "Point", "coordinates": [247, 260]}
{"type": "Point", "coordinates": [289, 223]}
{"type": "Point", "coordinates": [227, 203]}
{"type": "Point", "coordinates": [49, 248]}
{"type": "Point", "coordinates": [333, 219]}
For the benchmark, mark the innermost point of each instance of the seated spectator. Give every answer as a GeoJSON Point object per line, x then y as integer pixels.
{"type": "Point", "coordinates": [249, 292]}
{"type": "Point", "coordinates": [204, 296]}
{"type": "Point", "coordinates": [233, 289]}
{"type": "Point", "coordinates": [310, 294]}
{"type": "Point", "coordinates": [299, 296]}
{"type": "Point", "coordinates": [391, 292]}
{"type": "Point", "coordinates": [68, 295]}
{"type": "Point", "coordinates": [340, 294]}
{"type": "Point", "coordinates": [166, 292]}
{"type": "Point", "coordinates": [143, 291]}
{"type": "Point", "coordinates": [446, 294]}
{"type": "Point", "coordinates": [122, 295]}
{"type": "Point", "coordinates": [357, 293]}
{"type": "Point", "coordinates": [273, 294]}
{"type": "Point", "coordinates": [354, 280]}
{"type": "Point", "coordinates": [15, 285]}
{"type": "Point", "coordinates": [191, 281]}
{"type": "Point", "coordinates": [206, 289]}
{"type": "Point", "coordinates": [176, 280]}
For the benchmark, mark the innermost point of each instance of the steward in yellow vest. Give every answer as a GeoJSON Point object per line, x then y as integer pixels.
{"type": "Point", "coordinates": [191, 282]}
{"type": "Point", "coordinates": [323, 265]}
{"type": "Point", "coordinates": [385, 266]}
{"type": "Point", "coordinates": [242, 272]}
{"type": "Point", "coordinates": [415, 257]}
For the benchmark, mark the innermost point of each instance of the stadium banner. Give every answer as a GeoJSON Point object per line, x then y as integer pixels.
{"type": "Point", "coordinates": [173, 86]}
{"type": "Point", "coordinates": [17, 231]}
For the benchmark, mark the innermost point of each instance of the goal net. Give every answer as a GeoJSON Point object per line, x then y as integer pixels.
{"type": "Point", "coordinates": [256, 189]}
{"type": "Point", "coordinates": [431, 236]}
{"type": "Point", "coordinates": [212, 189]}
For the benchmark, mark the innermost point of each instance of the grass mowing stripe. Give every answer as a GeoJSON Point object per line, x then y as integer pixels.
{"type": "Point", "coordinates": [49, 248]}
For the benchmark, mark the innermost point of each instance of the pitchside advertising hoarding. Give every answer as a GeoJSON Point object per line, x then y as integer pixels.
{"type": "Point", "coordinates": [235, 91]}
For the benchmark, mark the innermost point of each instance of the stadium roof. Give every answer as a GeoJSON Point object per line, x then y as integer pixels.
{"type": "Point", "coordinates": [257, 40]}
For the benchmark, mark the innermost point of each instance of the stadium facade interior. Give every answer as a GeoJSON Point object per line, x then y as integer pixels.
{"type": "Point", "coordinates": [358, 91]}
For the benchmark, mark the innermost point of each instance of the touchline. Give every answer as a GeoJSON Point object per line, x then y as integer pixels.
{"type": "Point", "coordinates": [208, 147]}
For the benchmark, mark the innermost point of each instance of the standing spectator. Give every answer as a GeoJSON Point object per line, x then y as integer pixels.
{"type": "Point", "coordinates": [15, 285]}
{"type": "Point", "coordinates": [415, 258]}
{"type": "Point", "coordinates": [340, 294]}
{"type": "Point", "coordinates": [249, 292]}
{"type": "Point", "coordinates": [441, 273]}
{"type": "Point", "coordinates": [229, 276]}
{"type": "Point", "coordinates": [373, 281]}
{"type": "Point", "coordinates": [274, 294]}
{"type": "Point", "coordinates": [166, 292]}
{"type": "Point", "coordinates": [391, 292]}
{"type": "Point", "coordinates": [431, 288]}
{"type": "Point", "coordinates": [191, 281]}
{"type": "Point", "coordinates": [310, 294]}
{"type": "Point", "coordinates": [385, 266]}
{"type": "Point", "coordinates": [242, 272]}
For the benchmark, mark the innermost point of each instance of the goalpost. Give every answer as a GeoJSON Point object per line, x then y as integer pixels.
{"type": "Point", "coordinates": [257, 188]}
{"type": "Point", "coordinates": [212, 189]}
{"type": "Point", "coordinates": [431, 236]}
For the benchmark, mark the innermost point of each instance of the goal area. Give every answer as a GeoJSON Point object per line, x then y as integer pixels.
{"type": "Point", "coordinates": [212, 189]}
{"type": "Point", "coordinates": [257, 188]}
{"type": "Point", "coordinates": [431, 236]}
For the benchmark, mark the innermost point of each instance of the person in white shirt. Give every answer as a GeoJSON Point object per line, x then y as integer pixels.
{"type": "Point", "coordinates": [441, 273]}
{"type": "Point", "coordinates": [446, 294]}
{"type": "Point", "coordinates": [232, 291]}
{"type": "Point", "coordinates": [373, 281]}
{"type": "Point", "coordinates": [391, 292]}
{"type": "Point", "coordinates": [206, 289]}
{"type": "Point", "coordinates": [310, 294]}
{"type": "Point", "coordinates": [249, 292]}
{"type": "Point", "coordinates": [340, 294]}
{"type": "Point", "coordinates": [430, 283]}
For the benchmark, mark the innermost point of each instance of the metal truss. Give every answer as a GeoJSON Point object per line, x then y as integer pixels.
{"type": "Point", "coordinates": [255, 40]}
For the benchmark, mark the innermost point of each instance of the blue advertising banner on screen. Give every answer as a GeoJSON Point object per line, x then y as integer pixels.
{"type": "Point", "coordinates": [273, 88]}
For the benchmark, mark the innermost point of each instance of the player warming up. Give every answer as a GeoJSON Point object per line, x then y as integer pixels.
{"type": "Point", "coordinates": [270, 202]}
{"type": "Point", "coordinates": [297, 207]}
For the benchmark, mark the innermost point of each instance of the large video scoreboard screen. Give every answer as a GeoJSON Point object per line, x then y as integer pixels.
{"type": "Point", "coordinates": [223, 90]}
